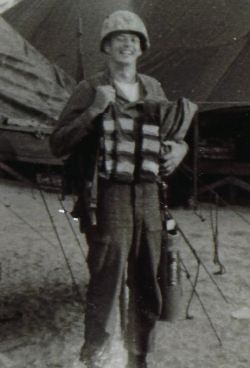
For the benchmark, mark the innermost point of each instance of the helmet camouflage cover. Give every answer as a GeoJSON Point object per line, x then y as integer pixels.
{"type": "Point", "coordinates": [124, 21]}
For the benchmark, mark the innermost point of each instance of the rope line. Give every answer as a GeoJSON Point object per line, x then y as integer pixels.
{"type": "Point", "coordinates": [37, 186]}
{"type": "Point", "coordinates": [61, 246]}
{"type": "Point", "coordinates": [199, 214]}
{"type": "Point", "coordinates": [68, 219]}
{"type": "Point", "coordinates": [200, 301]}
{"type": "Point", "coordinates": [26, 223]}
{"type": "Point", "coordinates": [193, 291]}
{"type": "Point", "coordinates": [185, 169]}
{"type": "Point", "coordinates": [215, 232]}
{"type": "Point", "coordinates": [197, 257]}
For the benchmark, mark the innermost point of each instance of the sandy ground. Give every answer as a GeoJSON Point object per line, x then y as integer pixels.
{"type": "Point", "coordinates": [44, 317]}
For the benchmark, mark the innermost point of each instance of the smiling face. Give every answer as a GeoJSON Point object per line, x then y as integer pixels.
{"type": "Point", "coordinates": [123, 48]}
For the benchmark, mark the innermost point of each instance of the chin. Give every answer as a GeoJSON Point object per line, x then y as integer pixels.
{"type": "Point", "coordinates": [126, 62]}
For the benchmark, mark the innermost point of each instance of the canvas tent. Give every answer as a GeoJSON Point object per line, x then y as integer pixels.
{"type": "Point", "coordinates": [52, 27]}
{"type": "Point", "coordinates": [7, 4]}
{"type": "Point", "coordinates": [33, 93]}
{"type": "Point", "coordinates": [30, 86]}
{"type": "Point", "coordinates": [200, 49]}
{"type": "Point", "coordinates": [33, 89]}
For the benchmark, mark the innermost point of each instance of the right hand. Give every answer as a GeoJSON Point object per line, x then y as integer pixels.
{"type": "Point", "coordinates": [103, 97]}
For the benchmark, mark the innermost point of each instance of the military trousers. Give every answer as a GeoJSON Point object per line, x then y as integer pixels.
{"type": "Point", "coordinates": [126, 240]}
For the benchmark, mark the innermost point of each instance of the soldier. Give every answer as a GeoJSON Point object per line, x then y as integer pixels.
{"type": "Point", "coordinates": [111, 124]}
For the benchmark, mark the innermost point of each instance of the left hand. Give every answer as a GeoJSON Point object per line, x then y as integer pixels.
{"type": "Point", "coordinates": [172, 159]}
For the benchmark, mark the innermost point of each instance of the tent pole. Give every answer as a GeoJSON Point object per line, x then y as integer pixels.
{"type": "Point", "coordinates": [195, 163]}
{"type": "Point", "coordinates": [80, 68]}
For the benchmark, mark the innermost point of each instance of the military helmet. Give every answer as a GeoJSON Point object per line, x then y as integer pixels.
{"type": "Point", "coordinates": [124, 21]}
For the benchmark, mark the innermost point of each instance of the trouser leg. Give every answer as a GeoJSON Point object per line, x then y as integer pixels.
{"type": "Point", "coordinates": [145, 297]}
{"type": "Point", "coordinates": [106, 260]}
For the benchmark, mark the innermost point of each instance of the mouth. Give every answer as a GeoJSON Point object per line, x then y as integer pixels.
{"type": "Point", "coordinates": [127, 52]}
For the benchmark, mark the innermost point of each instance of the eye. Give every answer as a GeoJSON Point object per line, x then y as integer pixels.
{"type": "Point", "coordinates": [135, 39]}
{"type": "Point", "coordinates": [120, 38]}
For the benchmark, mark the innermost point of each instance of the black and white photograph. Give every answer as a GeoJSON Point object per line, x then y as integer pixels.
{"type": "Point", "coordinates": [124, 183]}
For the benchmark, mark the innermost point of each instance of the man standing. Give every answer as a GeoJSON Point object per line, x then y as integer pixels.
{"type": "Point", "coordinates": [112, 124]}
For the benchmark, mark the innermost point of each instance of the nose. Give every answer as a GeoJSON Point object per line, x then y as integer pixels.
{"type": "Point", "coordinates": [127, 41]}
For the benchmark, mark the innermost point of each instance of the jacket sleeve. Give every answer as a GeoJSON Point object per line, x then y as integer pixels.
{"type": "Point", "coordinates": [161, 93]}
{"type": "Point", "coordinates": [75, 122]}
{"type": "Point", "coordinates": [176, 119]}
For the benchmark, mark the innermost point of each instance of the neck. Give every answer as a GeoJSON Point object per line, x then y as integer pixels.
{"type": "Point", "coordinates": [122, 73]}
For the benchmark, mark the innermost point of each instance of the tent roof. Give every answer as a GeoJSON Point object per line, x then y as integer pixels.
{"type": "Point", "coordinates": [52, 27]}
{"type": "Point", "coordinates": [6, 4]}
{"type": "Point", "coordinates": [30, 86]}
{"type": "Point", "coordinates": [200, 49]}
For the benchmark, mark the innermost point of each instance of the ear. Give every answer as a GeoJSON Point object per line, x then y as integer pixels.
{"type": "Point", "coordinates": [106, 47]}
